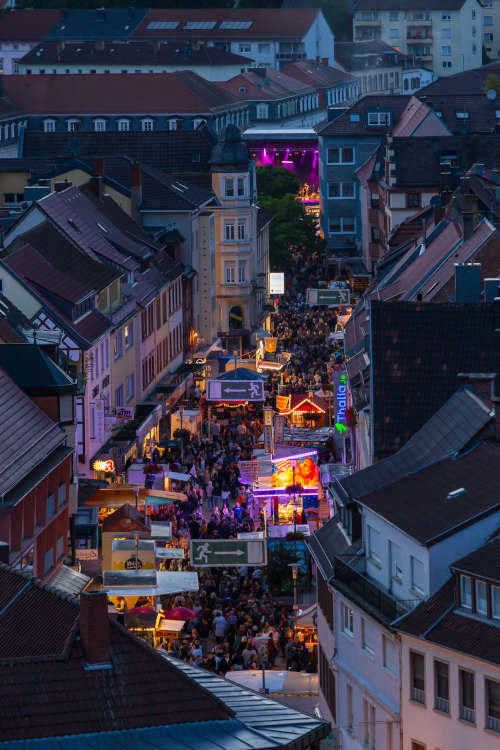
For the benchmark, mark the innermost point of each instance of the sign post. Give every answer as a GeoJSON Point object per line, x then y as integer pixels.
{"type": "Point", "coordinates": [226, 553]}
{"type": "Point", "coordinates": [328, 296]}
{"type": "Point", "coordinates": [235, 390]}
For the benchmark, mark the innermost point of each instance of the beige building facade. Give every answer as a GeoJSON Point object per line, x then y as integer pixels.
{"type": "Point", "coordinates": [447, 40]}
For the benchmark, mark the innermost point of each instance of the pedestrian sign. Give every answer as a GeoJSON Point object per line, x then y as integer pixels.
{"type": "Point", "coordinates": [328, 296]}
{"type": "Point", "coordinates": [235, 390]}
{"type": "Point", "coordinates": [217, 553]}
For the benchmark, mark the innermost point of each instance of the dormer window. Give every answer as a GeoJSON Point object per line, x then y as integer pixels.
{"type": "Point", "coordinates": [99, 125]}
{"type": "Point", "coordinates": [147, 124]}
{"type": "Point", "coordinates": [49, 126]}
{"type": "Point", "coordinates": [73, 125]}
{"type": "Point", "coordinates": [379, 119]}
{"type": "Point", "coordinates": [466, 592]}
{"type": "Point", "coordinates": [481, 598]}
{"type": "Point", "coordinates": [495, 602]}
{"type": "Point", "coordinates": [123, 125]}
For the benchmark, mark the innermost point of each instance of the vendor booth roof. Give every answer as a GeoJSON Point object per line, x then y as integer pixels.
{"type": "Point", "coordinates": [127, 519]}
{"type": "Point", "coordinates": [306, 618]}
{"type": "Point", "coordinates": [178, 476]}
{"type": "Point", "coordinates": [115, 497]}
{"type": "Point", "coordinates": [303, 402]}
{"type": "Point", "coordinates": [166, 583]}
{"type": "Point", "coordinates": [296, 683]}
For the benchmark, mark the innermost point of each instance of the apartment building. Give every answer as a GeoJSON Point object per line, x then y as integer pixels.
{"type": "Point", "coordinates": [451, 690]}
{"type": "Point", "coordinates": [381, 555]}
{"type": "Point", "coordinates": [491, 28]}
{"type": "Point", "coordinates": [266, 36]}
{"type": "Point", "coordinates": [446, 39]}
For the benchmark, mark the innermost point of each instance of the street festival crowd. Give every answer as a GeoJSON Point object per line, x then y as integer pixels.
{"type": "Point", "coordinates": [233, 608]}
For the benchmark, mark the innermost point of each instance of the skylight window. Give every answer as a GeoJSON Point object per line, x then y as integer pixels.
{"type": "Point", "coordinates": [200, 24]}
{"type": "Point", "coordinates": [354, 118]}
{"type": "Point", "coordinates": [235, 24]}
{"type": "Point", "coordinates": [462, 115]}
{"type": "Point", "coordinates": [162, 25]}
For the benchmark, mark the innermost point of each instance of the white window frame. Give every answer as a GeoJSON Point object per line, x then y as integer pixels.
{"type": "Point", "coordinates": [466, 592]}
{"type": "Point", "coordinates": [347, 620]}
{"type": "Point", "coordinates": [488, 21]}
{"type": "Point", "coordinates": [49, 125]}
{"type": "Point", "coordinates": [262, 111]}
{"type": "Point", "coordinates": [373, 542]}
{"type": "Point", "coordinates": [229, 272]}
{"type": "Point", "coordinates": [341, 195]}
{"type": "Point", "coordinates": [228, 183]}
{"type": "Point", "coordinates": [414, 562]}
{"type": "Point", "coordinates": [229, 234]}
{"type": "Point", "coordinates": [99, 125]}
{"type": "Point", "coordinates": [72, 124]}
{"type": "Point", "coordinates": [242, 230]}
{"type": "Point", "coordinates": [242, 272]}
{"type": "Point", "coordinates": [123, 125]}
{"type": "Point", "coordinates": [495, 602]}
{"type": "Point", "coordinates": [446, 51]}
{"type": "Point", "coordinates": [147, 125]}
{"type": "Point", "coordinates": [341, 219]}
{"type": "Point", "coordinates": [367, 633]}
{"type": "Point", "coordinates": [341, 150]}
{"type": "Point", "coordinates": [478, 586]}
{"type": "Point", "coordinates": [379, 119]}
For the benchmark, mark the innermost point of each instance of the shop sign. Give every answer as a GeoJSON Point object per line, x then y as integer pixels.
{"type": "Point", "coordinates": [125, 412]}
{"type": "Point", "coordinates": [249, 469]}
{"type": "Point", "coordinates": [104, 465]}
{"type": "Point", "coordinates": [86, 554]}
{"type": "Point", "coordinates": [340, 383]}
{"type": "Point", "coordinates": [99, 417]}
{"type": "Point", "coordinates": [133, 563]}
{"type": "Point", "coordinates": [282, 403]}
{"type": "Point", "coordinates": [170, 553]}
{"type": "Point", "coordinates": [268, 416]}
{"type": "Point", "coordinates": [279, 428]}
{"type": "Point", "coordinates": [268, 438]}
{"type": "Point", "coordinates": [276, 283]}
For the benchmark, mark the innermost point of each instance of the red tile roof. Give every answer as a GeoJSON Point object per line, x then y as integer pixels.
{"type": "Point", "coordinates": [273, 85]}
{"type": "Point", "coordinates": [432, 622]}
{"type": "Point", "coordinates": [27, 25]}
{"type": "Point", "coordinates": [178, 93]}
{"type": "Point", "coordinates": [265, 23]}
{"type": "Point", "coordinates": [317, 74]}
{"type": "Point", "coordinates": [47, 691]}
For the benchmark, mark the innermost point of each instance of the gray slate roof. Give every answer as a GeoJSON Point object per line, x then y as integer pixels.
{"type": "Point", "coordinates": [68, 580]}
{"type": "Point", "coordinates": [29, 436]}
{"type": "Point", "coordinates": [450, 429]}
{"type": "Point", "coordinates": [279, 724]}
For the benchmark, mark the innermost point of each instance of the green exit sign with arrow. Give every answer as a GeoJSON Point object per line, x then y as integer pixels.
{"type": "Point", "coordinates": [218, 553]}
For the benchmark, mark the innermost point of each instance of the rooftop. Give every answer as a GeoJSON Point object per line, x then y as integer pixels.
{"type": "Point", "coordinates": [354, 121]}
{"type": "Point", "coordinates": [317, 74]}
{"type": "Point", "coordinates": [179, 93]}
{"type": "Point", "coordinates": [125, 518]}
{"type": "Point", "coordinates": [467, 83]}
{"type": "Point", "coordinates": [226, 23]}
{"type": "Point", "coordinates": [483, 562]}
{"type": "Point", "coordinates": [139, 53]}
{"type": "Point", "coordinates": [403, 4]}
{"type": "Point", "coordinates": [99, 23]}
{"type": "Point", "coordinates": [265, 83]}
{"type": "Point", "coordinates": [438, 621]}
{"type": "Point", "coordinates": [354, 56]}
{"type": "Point", "coordinates": [415, 360]}
{"type": "Point", "coordinates": [27, 25]}
{"type": "Point", "coordinates": [29, 435]}
{"type": "Point", "coordinates": [32, 370]}
{"type": "Point", "coordinates": [423, 504]}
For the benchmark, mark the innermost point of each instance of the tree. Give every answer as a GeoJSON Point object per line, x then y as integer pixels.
{"type": "Point", "coordinates": [290, 229]}
{"type": "Point", "coordinates": [492, 82]}
{"type": "Point", "coordinates": [275, 182]}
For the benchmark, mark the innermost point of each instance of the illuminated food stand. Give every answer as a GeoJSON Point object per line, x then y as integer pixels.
{"type": "Point", "coordinates": [290, 494]}
{"type": "Point", "coordinates": [304, 409]}
{"type": "Point", "coordinates": [306, 630]}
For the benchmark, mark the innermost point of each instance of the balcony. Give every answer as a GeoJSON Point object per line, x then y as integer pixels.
{"type": "Point", "coordinates": [419, 33]}
{"type": "Point", "coordinates": [442, 704]}
{"type": "Point", "coordinates": [367, 594]}
{"type": "Point", "coordinates": [467, 714]}
{"type": "Point", "coordinates": [493, 723]}
{"type": "Point", "coordinates": [418, 695]}
{"type": "Point", "coordinates": [366, 33]}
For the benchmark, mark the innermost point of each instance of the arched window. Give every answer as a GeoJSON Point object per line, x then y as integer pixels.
{"type": "Point", "coordinates": [73, 125]}
{"type": "Point", "coordinates": [49, 126]}
{"type": "Point", "coordinates": [123, 124]}
{"type": "Point", "coordinates": [236, 319]}
{"type": "Point", "coordinates": [147, 124]}
{"type": "Point", "coordinates": [198, 122]}
{"type": "Point", "coordinates": [99, 125]}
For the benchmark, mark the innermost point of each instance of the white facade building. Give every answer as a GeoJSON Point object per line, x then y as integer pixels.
{"type": "Point", "coordinates": [448, 40]}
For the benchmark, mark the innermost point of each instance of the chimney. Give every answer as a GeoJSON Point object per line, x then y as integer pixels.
{"type": "Point", "coordinates": [60, 186]}
{"type": "Point", "coordinates": [97, 181]}
{"type": "Point", "coordinates": [469, 214]}
{"type": "Point", "coordinates": [94, 628]}
{"type": "Point", "coordinates": [467, 282]}
{"type": "Point", "coordinates": [445, 185]}
{"type": "Point", "coordinates": [491, 287]}
{"type": "Point", "coordinates": [4, 553]}
{"type": "Point", "coordinates": [136, 191]}
{"type": "Point", "coordinates": [482, 382]}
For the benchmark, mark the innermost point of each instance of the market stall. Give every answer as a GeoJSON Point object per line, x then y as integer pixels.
{"type": "Point", "coordinates": [166, 630]}
{"type": "Point", "coordinates": [306, 630]}
{"type": "Point", "coordinates": [304, 409]}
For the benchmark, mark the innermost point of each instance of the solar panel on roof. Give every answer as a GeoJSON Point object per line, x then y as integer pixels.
{"type": "Point", "coordinates": [235, 24]}
{"type": "Point", "coordinates": [199, 24]}
{"type": "Point", "coordinates": [163, 24]}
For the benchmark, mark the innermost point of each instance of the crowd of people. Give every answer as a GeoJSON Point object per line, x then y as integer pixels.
{"type": "Point", "coordinates": [236, 623]}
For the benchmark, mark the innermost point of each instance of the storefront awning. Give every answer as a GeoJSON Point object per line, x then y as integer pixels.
{"type": "Point", "coordinates": [167, 582]}
{"type": "Point", "coordinates": [115, 497]}
{"type": "Point", "coordinates": [176, 475]}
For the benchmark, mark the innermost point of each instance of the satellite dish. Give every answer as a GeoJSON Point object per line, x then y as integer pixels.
{"type": "Point", "coordinates": [491, 94]}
